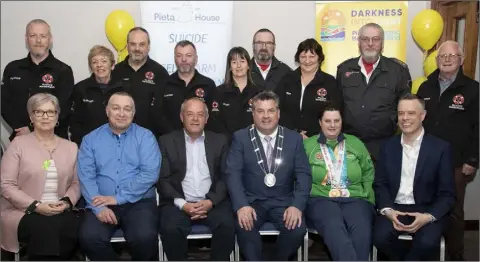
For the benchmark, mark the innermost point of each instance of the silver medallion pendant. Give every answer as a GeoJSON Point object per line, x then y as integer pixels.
{"type": "Point", "coordinates": [270, 180]}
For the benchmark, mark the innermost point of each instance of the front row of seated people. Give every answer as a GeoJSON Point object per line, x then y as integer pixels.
{"type": "Point", "coordinates": [266, 174]}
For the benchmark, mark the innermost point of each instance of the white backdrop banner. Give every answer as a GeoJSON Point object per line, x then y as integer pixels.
{"type": "Point", "coordinates": [208, 24]}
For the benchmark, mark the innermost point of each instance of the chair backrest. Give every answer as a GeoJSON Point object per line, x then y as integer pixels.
{"type": "Point", "coordinates": [2, 149]}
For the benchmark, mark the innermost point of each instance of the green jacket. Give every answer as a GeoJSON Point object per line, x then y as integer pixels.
{"type": "Point", "coordinates": [360, 170]}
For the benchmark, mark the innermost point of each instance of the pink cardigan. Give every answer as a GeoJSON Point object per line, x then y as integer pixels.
{"type": "Point", "coordinates": [23, 180]}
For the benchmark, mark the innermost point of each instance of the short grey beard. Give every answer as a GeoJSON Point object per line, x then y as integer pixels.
{"type": "Point", "coordinates": [263, 58]}
{"type": "Point", "coordinates": [371, 59]}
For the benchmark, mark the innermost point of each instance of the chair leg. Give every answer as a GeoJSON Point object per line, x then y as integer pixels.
{"type": "Point", "coordinates": [237, 250]}
{"type": "Point", "coordinates": [17, 256]}
{"type": "Point", "coordinates": [299, 253]}
{"type": "Point", "coordinates": [160, 249]}
{"type": "Point", "coordinates": [442, 249]}
{"type": "Point", "coordinates": [374, 255]}
{"type": "Point", "coordinates": [305, 247]}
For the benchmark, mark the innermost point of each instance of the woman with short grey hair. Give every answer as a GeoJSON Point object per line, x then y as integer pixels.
{"type": "Point", "coordinates": [40, 187]}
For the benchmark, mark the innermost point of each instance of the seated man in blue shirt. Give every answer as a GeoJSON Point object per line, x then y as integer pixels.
{"type": "Point", "coordinates": [118, 166]}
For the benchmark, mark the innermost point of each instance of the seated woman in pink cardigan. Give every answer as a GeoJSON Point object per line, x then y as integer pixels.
{"type": "Point", "coordinates": [39, 187]}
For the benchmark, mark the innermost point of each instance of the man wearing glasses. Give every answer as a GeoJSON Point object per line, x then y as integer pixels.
{"type": "Point", "coordinates": [451, 100]}
{"type": "Point", "coordinates": [372, 85]}
{"type": "Point", "coordinates": [267, 70]}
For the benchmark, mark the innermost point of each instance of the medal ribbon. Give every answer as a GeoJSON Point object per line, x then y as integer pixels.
{"type": "Point", "coordinates": [337, 171]}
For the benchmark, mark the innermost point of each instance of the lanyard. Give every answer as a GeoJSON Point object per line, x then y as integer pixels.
{"type": "Point", "coordinates": [334, 170]}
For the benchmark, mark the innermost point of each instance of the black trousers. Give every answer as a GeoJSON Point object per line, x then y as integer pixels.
{"type": "Point", "coordinates": [49, 237]}
{"type": "Point", "coordinates": [175, 226]}
{"type": "Point", "coordinates": [139, 223]}
{"type": "Point", "coordinates": [454, 237]}
{"type": "Point", "coordinates": [425, 244]}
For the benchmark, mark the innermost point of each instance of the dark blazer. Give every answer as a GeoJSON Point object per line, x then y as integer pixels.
{"type": "Point", "coordinates": [245, 177]}
{"type": "Point", "coordinates": [174, 166]}
{"type": "Point", "coordinates": [434, 185]}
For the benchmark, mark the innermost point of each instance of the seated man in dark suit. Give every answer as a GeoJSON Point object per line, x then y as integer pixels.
{"type": "Point", "coordinates": [414, 186]}
{"type": "Point", "coordinates": [269, 180]}
{"type": "Point", "coordinates": [191, 186]}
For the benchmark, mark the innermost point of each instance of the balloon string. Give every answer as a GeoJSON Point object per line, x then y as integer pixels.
{"type": "Point", "coordinates": [425, 54]}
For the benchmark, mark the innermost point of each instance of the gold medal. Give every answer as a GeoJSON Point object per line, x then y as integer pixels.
{"type": "Point", "coordinates": [334, 192]}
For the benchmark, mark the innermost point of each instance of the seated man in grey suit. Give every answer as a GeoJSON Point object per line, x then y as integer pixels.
{"type": "Point", "coordinates": [269, 180]}
{"type": "Point", "coordinates": [191, 186]}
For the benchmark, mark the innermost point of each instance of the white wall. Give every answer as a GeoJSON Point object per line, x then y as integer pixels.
{"type": "Point", "coordinates": [75, 34]}
{"type": "Point", "coordinates": [78, 25]}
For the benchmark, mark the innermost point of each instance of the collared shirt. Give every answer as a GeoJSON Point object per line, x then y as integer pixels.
{"type": "Point", "coordinates": [264, 142]}
{"type": "Point", "coordinates": [125, 166]}
{"type": "Point", "coordinates": [301, 96]}
{"type": "Point", "coordinates": [264, 73]}
{"type": "Point", "coordinates": [364, 72]}
{"type": "Point", "coordinates": [409, 164]}
{"type": "Point", "coordinates": [197, 181]}
{"type": "Point", "coordinates": [445, 83]}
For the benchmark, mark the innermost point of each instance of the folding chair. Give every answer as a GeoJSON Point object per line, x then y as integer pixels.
{"type": "Point", "coordinates": [268, 229]}
{"type": "Point", "coordinates": [410, 238]}
{"type": "Point", "coordinates": [200, 232]}
{"type": "Point", "coordinates": [118, 238]}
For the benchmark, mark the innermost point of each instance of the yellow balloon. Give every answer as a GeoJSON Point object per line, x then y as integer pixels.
{"type": "Point", "coordinates": [117, 25]}
{"type": "Point", "coordinates": [430, 63]}
{"type": "Point", "coordinates": [416, 84]}
{"type": "Point", "coordinates": [122, 55]}
{"type": "Point", "coordinates": [427, 28]}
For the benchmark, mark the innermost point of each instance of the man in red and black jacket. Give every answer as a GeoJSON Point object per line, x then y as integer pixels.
{"type": "Point", "coordinates": [39, 72]}
{"type": "Point", "coordinates": [451, 100]}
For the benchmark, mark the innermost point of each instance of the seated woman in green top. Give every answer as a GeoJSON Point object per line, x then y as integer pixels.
{"type": "Point", "coordinates": [341, 202]}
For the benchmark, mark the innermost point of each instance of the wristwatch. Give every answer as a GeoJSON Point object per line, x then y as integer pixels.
{"type": "Point", "coordinates": [31, 208]}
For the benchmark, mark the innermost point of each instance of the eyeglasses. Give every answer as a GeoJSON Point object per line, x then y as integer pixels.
{"type": "Point", "coordinates": [41, 113]}
{"type": "Point", "coordinates": [366, 39]}
{"type": "Point", "coordinates": [261, 43]}
{"type": "Point", "coordinates": [449, 56]}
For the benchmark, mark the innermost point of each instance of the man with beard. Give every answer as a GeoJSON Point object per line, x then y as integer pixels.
{"type": "Point", "coordinates": [184, 83]}
{"type": "Point", "coordinates": [143, 74]}
{"type": "Point", "coordinates": [372, 85]}
{"type": "Point", "coordinates": [39, 72]}
{"type": "Point", "coordinates": [266, 69]}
